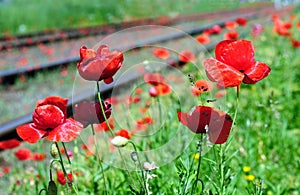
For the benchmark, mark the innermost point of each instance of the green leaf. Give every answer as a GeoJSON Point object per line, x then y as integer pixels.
{"type": "Point", "coordinates": [52, 189]}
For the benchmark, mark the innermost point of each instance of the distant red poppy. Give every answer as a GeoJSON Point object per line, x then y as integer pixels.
{"type": "Point", "coordinates": [200, 87]}
{"type": "Point", "coordinates": [161, 53]}
{"type": "Point", "coordinates": [241, 21]}
{"type": "Point", "coordinates": [230, 25]}
{"type": "Point", "coordinates": [160, 90]}
{"type": "Point", "coordinates": [38, 156]}
{"type": "Point", "coordinates": [235, 64]}
{"type": "Point", "coordinates": [99, 65]}
{"type": "Point", "coordinates": [154, 79]}
{"type": "Point", "coordinates": [9, 144]}
{"type": "Point", "coordinates": [186, 56]}
{"type": "Point", "coordinates": [138, 91]}
{"type": "Point", "coordinates": [123, 133]}
{"type": "Point", "coordinates": [298, 25]}
{"type": "Point", "coordinates": [90, 112]}
{"type": "Point", "coordinates": [103, 126]}
{"type": "Point", "coordinates": [282, 28]}
{"type": "Point", "coordinates": [232, 35]}
{"type": "Point", "coordinates": [207, 120]}
{"type": "Point", "coordinates": [204, 39]}
{"type": "Point", "coordinates": [295, 43]}
{"type": "Point", "coordinates": [23, 154]}
{"type": "Point", "coordinates": [50, 121]}
{"type": "Point", "coordinates": [61, 177]}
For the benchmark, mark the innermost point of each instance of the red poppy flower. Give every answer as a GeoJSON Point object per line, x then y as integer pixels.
{"type": "Point", "coordinates": [232, 35]}
{"type": "Point", "coordinates": [241, 21]}
{"type": "Point", "coordinates": [123, 133]}
{"type": "Point", "coordinates": [186, 56]}
{"type": "Point", "coordinates": [295, 43]}
{"type": "Point", "coordinates": [90, 112]}
{"type": "Point", "coordinates": [138, 91]}
{"type": "Point", "coordinates": [204, 39]}
{"type": "Point", "coordinates": [23, 154]}
{"type": "Point", "coordinates": [9, 144]}
{"type": "Point", "coordinates": [298, 25]}
{"type": "Point", "coordinates": [38, 156]}
{"type": "Point", "coordinates": [203, 119]}
{"type": "Point", "coordinates": [99, 65]}
{"type": "Point", "coordinates": [103, 126]}
{"type": "Point", "coordinates": [50, 121]}
{"type": "Point", "coordinates": [161, 53]}
{"type": "Point", "coordinates": [61, 177]}
{"type": "Point", "coordinates": [230, 25]}
{"type": "Point", "coordinates": [200, 87]}
{"type": "Point", "coordinates": [154, 79]}
{"type": "Point", "coordinates": [160, 90]}
{"type": "Point", "coordinates": [235, 64]}
{"type": "Point", "coordinates": [282, 28]}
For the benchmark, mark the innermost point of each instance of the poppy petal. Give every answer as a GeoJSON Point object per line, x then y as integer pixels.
{"type": "Point", "coordinates": [238, 54]}
{"type": "Point", "coordinates": [56, 101]}
{"type": "Point", "coordinates": [65, 132]}
{"type": "Point", "coordinates": [47, 117]}
{"type": "Point", "coordinates": [224, 75]}
{"type": "Point", "coordinates": [29, 133]}
{"type": "Point", "coordinates": [256, 73]}
{"type": "Point", "coordinates": [219, 127]}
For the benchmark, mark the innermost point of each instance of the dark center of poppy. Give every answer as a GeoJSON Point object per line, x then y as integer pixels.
{"type": "Point", "coordinates": [242, 71]}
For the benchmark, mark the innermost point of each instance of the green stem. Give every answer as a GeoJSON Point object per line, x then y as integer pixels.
{"type": "Point", "coordinates": [66, 151]}
{"type": "Point", "coordinates": [140, 164]}
{"type": "Point", "coordinates": [102, 109]}
{"type": "Point", "coordinates": [98, 159]}
{"type": "Point", "coordinates": [64, 170]}
{"type": "Point", "coordinates": [199, 165]}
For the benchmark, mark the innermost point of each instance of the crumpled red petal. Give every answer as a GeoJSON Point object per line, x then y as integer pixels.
{"type": "Point", "coordinates": [224, 75]}
{"type": "Point", "coordinates": [256, 73]}
{"type": "Point", "coordinates": [236, 53]}
{"type": "Point", "coordinates": [47, 117]}
{"type": "Point", "coordinates": [56, 101]}
{"type": "Point", "coordinates": [65, 132]}
{"type": "Point", "coordinates": [30, 133]}
{"type": "Point", "coordinates": [219, 127]}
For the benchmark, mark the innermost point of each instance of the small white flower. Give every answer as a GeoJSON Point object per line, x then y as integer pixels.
{"type": "Point", "coordinates": [149, 166]}
{"type": "Point", "coordinates": [119, 141]}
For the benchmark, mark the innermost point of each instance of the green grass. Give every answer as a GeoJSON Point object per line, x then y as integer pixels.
{"type": "Point", "coordinates": [18, 16]}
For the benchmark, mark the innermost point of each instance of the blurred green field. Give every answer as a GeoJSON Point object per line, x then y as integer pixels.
{"type": "Point", "coordinates": [19, 16]}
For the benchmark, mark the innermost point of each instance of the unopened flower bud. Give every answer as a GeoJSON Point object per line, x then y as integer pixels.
{"type": "Point", "coordinates": [53, 151]}
{"type": "Point", "coordinates": [119, 141]}
{"type": "Point", "coordinates": [133, 156]}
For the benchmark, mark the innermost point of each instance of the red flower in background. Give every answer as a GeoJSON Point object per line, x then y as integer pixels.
{"type": "Point", "coordinates": [90, 112]}
{"type": "Point", "coordinates": [50, 120]}
{"type": "Point", "coordinates": [186, 56]}
{"type": "Point", "coordinates": [200, 87]}
{"type": "Point", "coordinates": [61, 177]}
{"type": "Point", "coordinates": [9, 144]}
{"type": "Point", "coordinates": [295, 43]}
{"type": "Point", "coordinates": [38, 156]}
{"type": "Point", "coordinates": [241, 21]}
{"type": "Point", "coordinates": [203, 119]}
{"type": "Point", "coordinates": [235, 64]}
{"type": "Point", "coordinates": [230, 25]}
{"type": "Point", "coordinates": [204, 39]}
{"type": "Point", "coordinates": [103, 126]}
{"type": "Point", "coordinates": [161, 53]}
{"type": "Point", "coordinates": [23, 154]}
{"type": "Point", "coordinates": [154, 79]}
{"type": "Point", "coordinates": [123, 133]}
{"type": "Point", "coordinates": [232, 35]}
{"type": "Point", "coordinates": [215, 29]}
{"type": "Point", "coordinates": [99, 65]}
{"type": "Point", "coordinates": [160, 90]}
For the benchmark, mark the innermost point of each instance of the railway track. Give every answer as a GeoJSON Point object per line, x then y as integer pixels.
{"type": "Point", "coordinates": [7, 130]}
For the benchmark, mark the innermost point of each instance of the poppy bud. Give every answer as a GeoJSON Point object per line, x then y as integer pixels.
{"type": "Point", "coordinates": [119, 141]}
{"type": "Point", "coordinates": [133, 156]}
{"type": "Point", "coordinates": [53, 151]}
